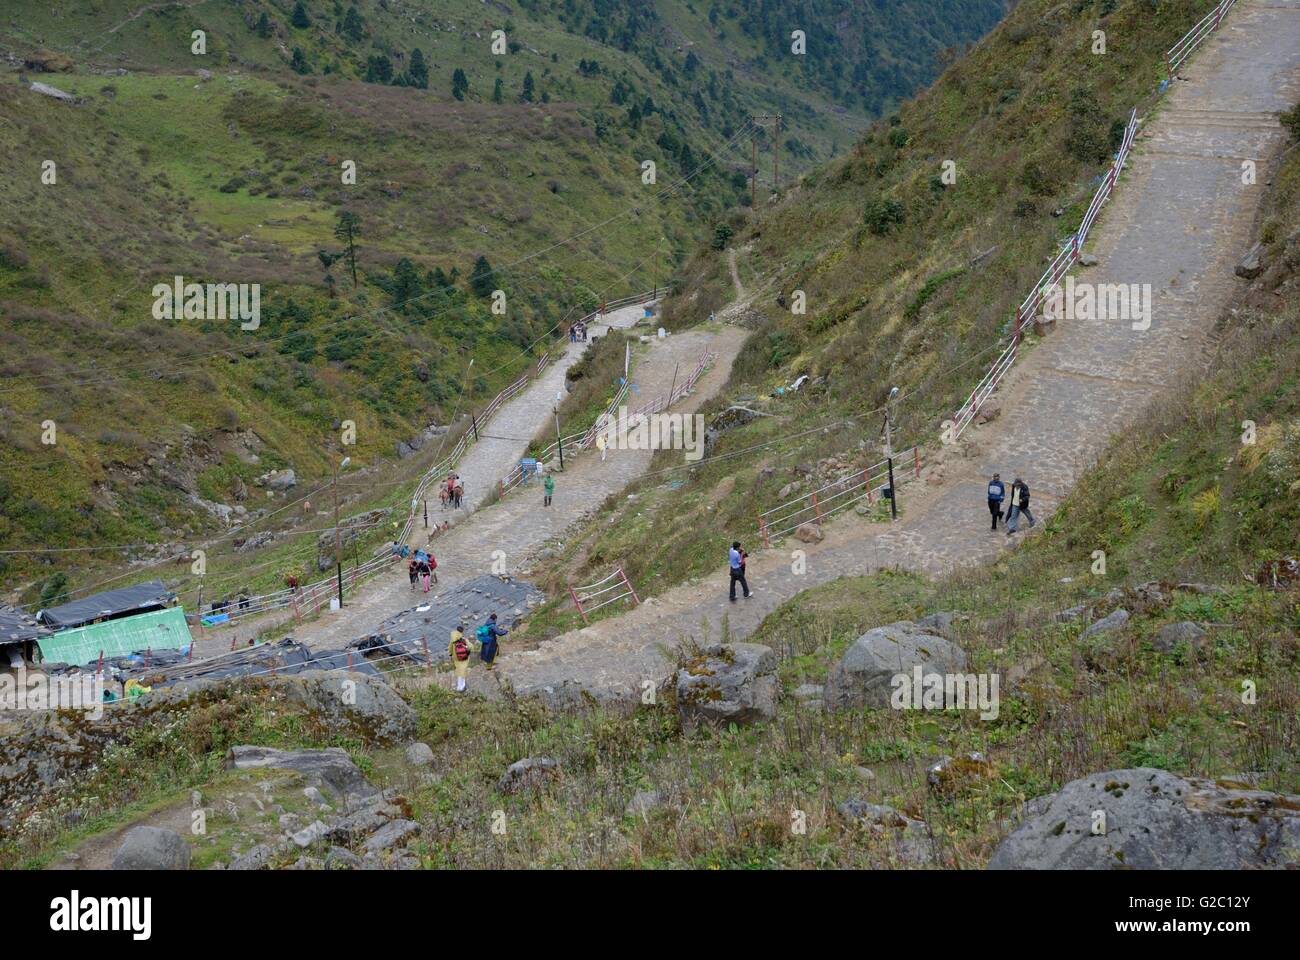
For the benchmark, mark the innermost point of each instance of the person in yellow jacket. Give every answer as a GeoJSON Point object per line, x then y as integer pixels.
{"type": "Point", "coordinates": [459, 649]}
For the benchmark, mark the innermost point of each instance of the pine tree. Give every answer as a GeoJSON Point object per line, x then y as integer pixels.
{"type": "Point", "coordinates": [527, 95]}
{"type": "Point", "coordinates": [354, 25]}
{"type": "Point", "coordinates": [263, 27]}
{"type": "Point", "coordinates": [347, 228]}
{"type": "Point", "coordinates": [300, 18]}
{"type": "Point", "coordinates": [496, 91]}
{"type": "Point", "coordinates": [480, 278]}
{"type": "Point", "coordinates": [417, 74]}
{"type": "Point", "coordinates": [459, 84]}
{"type": "Point", "coordinates": [299, 62]}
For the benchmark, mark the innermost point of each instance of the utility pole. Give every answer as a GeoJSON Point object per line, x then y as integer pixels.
{"type": "Point", "coordinates": [753, 179]}
{"type": "Point", "coordinates": [889, 452]}
{"type": "Point", "coordinates": [338, 548]}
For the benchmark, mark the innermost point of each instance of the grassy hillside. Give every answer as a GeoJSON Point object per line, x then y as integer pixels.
{"type": "Point", "coordinates": [909, 281]}
{"type": "Point", "coordinates": [1191, 503]}
{"type": "Point", "coordinates": [229, 166]}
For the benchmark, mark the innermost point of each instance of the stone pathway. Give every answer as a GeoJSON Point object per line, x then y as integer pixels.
{"type": "Point", "coordinates": [519, 525]}
{"type": "Point", "coordinates": [1179, 221]}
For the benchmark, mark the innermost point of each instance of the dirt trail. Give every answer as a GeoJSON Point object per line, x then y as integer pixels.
{"type": "Point", "coordinates": [1179, 221]}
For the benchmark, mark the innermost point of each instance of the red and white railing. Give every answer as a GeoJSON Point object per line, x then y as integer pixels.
{"type": "Point", "coordinates": [611, 589]}
{"type": "Point", "coordinates": [840, 494]}
{"type": "Point", "coordinates": [1194, 37]}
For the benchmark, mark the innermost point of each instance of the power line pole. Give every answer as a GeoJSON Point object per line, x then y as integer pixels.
{"type": "Point", "coordinates": [338, 548]}
{"type": "Point", "coordinates": [889, 452]}
{"type": "Point", "coordinates": [753, 179]}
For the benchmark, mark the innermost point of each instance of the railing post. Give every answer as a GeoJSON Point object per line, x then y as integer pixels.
{"type": "Point", "coordinates": [916, 461]}
{"type": "Point", "coordinates": [628, 584]}
{"type": "Point", "coordinates": [577, 604]}
{"type": "Point", "coordinates": [817, 508]}
{"type": "Point", "coordinates": [762, 529]}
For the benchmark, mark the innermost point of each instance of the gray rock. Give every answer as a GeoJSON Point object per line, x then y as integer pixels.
{"type": "Point", "coordinates": [1088, 260]}
{"type": "Point", "coordinates": [531, 773]}
{"type": "Point", "coordinates": [419, 755]}
{"type": "Point", "coordinates": [340, 859]}
{"type": "Point", "coordinates": [1172, 634]}
{"type": "Point", "coordinates": [1108, 624]}
{"type": "Point", "coordinates": [808, 691]}
{"type": "Point", "coordinates": [864, 675]}
{"type": "Point", "coordinates": [809, 533]}
{"type": "Point", "coordinates": [331, 768]}
{"type": "Point", "coordinates": [940, 623]}
{"type": "Point", "coordinates": [1251, 266]}
{"type": "Point", "coordinates": [1073, 613]}
{"type": "Point", "coordinates": [152, 848]}
{"type": "Point", "coordinates": [289, 821]}
{"type": "Point", "coordinates": [282, 480]}
{"type": "Point", "coordinates": [310, 833]}
{"type": "Point", "coordinates": [390, 835]}
{"type": "Point", "coordinates": [1201, 589]}
{"type": "Point", "coordinates": [643, 802]}
{"type": "Point", "coordinates": [256, 859]}
{"type": "Point", "coordinates": [1154, 820]}
{"type": "Point", "coordinates": [911, 840]}
{"type": "Point", "coordinates": [367, 705]}
{"type": "Point", "coordinates": [729, 683]}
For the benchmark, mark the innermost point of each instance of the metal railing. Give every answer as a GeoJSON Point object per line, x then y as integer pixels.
{"type": "Point", "coordinates": [1193, 38]}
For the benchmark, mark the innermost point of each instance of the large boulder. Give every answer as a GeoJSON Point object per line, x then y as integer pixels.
{"type": "Point", "coordinates": [727, 683]}
{"type": "Point", "coordinates": [1154, 820]}
{"type": "Point", "coordinates": [864, 676]}
{"type": "Point", "coordinates": [354, 703]}
{"type": "Point", "coordinates": [152, 848]}
{"type": "Point", "coordinates": [330, 768]}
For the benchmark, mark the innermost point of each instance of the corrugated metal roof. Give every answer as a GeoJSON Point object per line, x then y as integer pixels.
{"type": "Point", "coordinates": [156, 630]}
{"type": "Point", "coordinates": [16, 626]}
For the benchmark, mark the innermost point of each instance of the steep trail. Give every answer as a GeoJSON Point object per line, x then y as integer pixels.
{"type": "Point", "coordinates": [1180, 220]}
{"type": "Point", "coordinates": [518, 525]}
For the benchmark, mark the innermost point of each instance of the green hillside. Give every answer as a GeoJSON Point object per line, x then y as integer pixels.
{"type": "Point", "coordinates": [474, 173]}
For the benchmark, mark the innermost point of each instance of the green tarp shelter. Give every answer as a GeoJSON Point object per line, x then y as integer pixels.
{"type": "Point", "coordinates": [156, 630]}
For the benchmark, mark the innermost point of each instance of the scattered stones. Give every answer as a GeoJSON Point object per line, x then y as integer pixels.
{"type": "Point", "coordinates": [1113, 621]}
{"type": "Point", "coordinates": [310, 833]}
{"type": "Point", "coordinates": [257, 858]}
{"type": "Point", "coordinates": [152, 848]}
{"type": "Point", "coordinates": [863, 677]}
{"type": "Point", "coordinates": [911, 841]}
{"type": "Point", "coordinates": [529, 774]}
{"type": "Point", "coordinates": [1154, 820]}
{"type": "Point", "coordinates": [728, 683]}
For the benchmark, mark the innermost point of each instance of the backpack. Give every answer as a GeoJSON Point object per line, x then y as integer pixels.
{"type": "Point", "coordinates": [462, 649]}
{"type": "Point", "coordinates": [484, 634]}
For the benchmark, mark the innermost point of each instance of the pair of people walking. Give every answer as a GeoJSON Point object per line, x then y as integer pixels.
{"type": "Point", "coordinates": [487, 637]}
{"type": "Point", "coordinates": [1017, 507]}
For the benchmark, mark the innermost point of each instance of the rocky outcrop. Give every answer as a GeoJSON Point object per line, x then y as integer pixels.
{"type": "Point", "coordinates": [1148, 819]}
{"type": "Point", "coordinates": [354, 703]}
{"type": "Point", "coordinates": [330, 768]}
{"type": "Point", "coordinates": [864, 675]}
{"type": "Point", "coordinates": [727, 683]}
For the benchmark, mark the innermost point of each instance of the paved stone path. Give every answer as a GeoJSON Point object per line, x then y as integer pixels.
{"type": "Point", "coordinates": [518, 525]}
{"type": "Point", "coordinates": [1179, 221]}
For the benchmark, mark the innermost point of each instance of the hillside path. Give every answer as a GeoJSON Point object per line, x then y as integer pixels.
{"type": "Point", "coordinates": [1179, 221]}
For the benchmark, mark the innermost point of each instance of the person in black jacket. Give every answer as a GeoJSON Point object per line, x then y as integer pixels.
{"type": "Point", "coordinates": [1019, 506]}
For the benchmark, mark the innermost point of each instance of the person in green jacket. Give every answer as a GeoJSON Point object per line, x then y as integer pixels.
{"type": "Point", "coordinates": [548, 490]}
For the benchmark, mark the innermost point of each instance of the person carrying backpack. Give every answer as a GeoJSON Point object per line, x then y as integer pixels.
{"type": "Point", "coordinates": [736, 558]}
{"type": "Point", "coordinates": [459, 651]}
{"type": "Point", "coordinates": [1019, 506]}
{"type": "Point", "coordinates": [488, 636]}
{"type": "Point", "coordinates": [548, 490]}
{"type": "Point", "coordinates": [997, 493]}
{"type": "Point", "coordinates": [411, 571]}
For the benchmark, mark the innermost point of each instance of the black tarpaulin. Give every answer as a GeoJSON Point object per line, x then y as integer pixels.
{"type": "Point", "coordinates": [18, 627]}
{"type": "Point", "coordinates": [122, 602]}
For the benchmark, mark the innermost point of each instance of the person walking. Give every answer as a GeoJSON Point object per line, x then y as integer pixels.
{"type": "Point", "coordinates": [548, 489]}
{"type": "Point", "coordinates": [1019, 506]}
{"type": "Point", "coordinates": [997, 493]}
{"type": "Point", "coordinates": [488, 636]}
{"type": "Point", "coordinates": [412, 572]}
{"type": "Point", "coordinates": [737, 558]}
{"type": "Point", "coordinates": [459, 651]}
{"type": "Point", "coordinates": [433, 566]}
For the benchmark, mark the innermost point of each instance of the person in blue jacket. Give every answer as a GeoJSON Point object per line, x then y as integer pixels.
{"type": "Point", "coordinates": [997, 493]}
{"type": "Point", "coordinates": [488, 635]}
